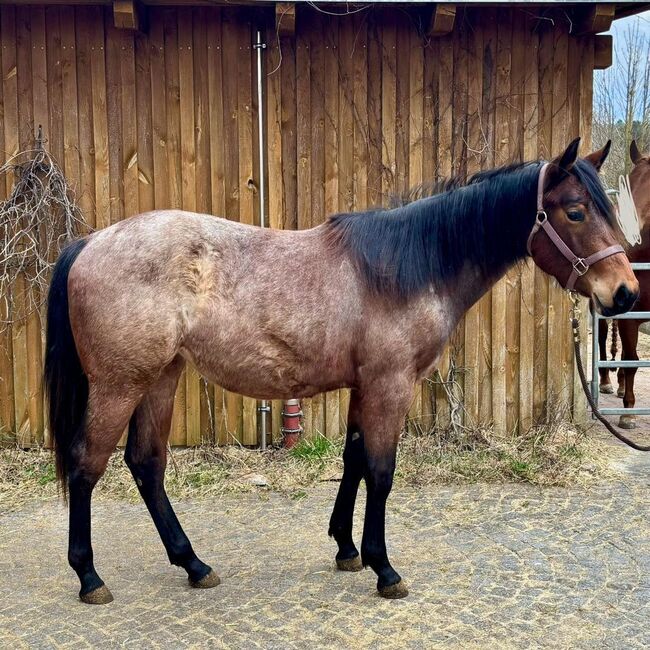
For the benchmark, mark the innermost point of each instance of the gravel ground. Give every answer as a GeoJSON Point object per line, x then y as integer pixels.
{"type": "Point", "coordinates": [488, 566]}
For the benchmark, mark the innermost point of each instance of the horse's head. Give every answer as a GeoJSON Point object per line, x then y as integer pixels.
{"type": "Point", "coordinates": [574, 238]}
{"type": "Point", "coordinates": [640, 183]}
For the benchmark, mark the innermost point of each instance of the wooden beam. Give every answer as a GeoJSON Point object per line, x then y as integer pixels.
{"type": "Point", "coordinates": [285, 18]}
{"type": "Point", "coordinates": [128, 14]}
{"type": "Point", "coordinates": [593, 19]}
{"type": "Point", "coordinates": [602, 51]}
{"type": "Point", "coordinates": [442, 19]}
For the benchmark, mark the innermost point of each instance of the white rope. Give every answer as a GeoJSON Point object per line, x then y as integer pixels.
{"type": "Point", "coordinates": [626, 214]}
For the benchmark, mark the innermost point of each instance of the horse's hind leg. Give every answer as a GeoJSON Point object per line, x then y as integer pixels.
{"type": "Point", "coordinates": [107, 414]}
{"type": "Point", "coordinates": [347, 558]}
{"type": "Point", "coordinates": [146, 456]}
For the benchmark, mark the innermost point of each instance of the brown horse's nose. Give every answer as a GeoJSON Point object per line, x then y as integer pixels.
{"type": "Point", "coordinates": [624, 299]}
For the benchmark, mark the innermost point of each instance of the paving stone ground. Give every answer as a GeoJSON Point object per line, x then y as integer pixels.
{"type": "Point", "coordinates": [507, 566]}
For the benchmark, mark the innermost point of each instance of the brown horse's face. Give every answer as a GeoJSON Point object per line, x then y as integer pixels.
{"type": "Point", "coordinates": [640, 183]}
{"type": "Point", "coordinates": [609, 282]}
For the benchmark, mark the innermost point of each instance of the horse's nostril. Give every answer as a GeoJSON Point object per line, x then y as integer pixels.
{"type": "Point", "coordinates": [624, 298]}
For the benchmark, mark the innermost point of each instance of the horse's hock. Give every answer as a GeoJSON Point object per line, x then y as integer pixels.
{"type": "Point", "coordinates": [164, 114]}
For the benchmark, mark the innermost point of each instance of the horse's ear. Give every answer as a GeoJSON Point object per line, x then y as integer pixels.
{"type": "Point", "coordinates": [561, 165]}
{"type": "Point", "coordinates": [635, 154]}
{"type": "Point", "coordinates": [597, 158]}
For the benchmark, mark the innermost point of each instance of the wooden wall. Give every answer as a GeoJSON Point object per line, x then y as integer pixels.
{"type": "Point", "coordinates": [358, 107]}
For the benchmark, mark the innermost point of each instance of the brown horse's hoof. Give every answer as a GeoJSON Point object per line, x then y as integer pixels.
{"type": "Point", "coordinates": [398, 590]}
{"type": "Point", "coordinates": [207, 582]}
{"type": "Point", "coordinates": [627, 422]}
{"type": "Point", "coordinates": [99, 596]}
{"type": "Point", "coordinates": [606, 389]}
{"type": "Point", "coordinates": [620, 393]}
{"type": "Point", "coordinates": [351, 564]}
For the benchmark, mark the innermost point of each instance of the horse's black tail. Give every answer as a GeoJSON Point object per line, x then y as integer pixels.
{"type": "Point", "coordinates": [66, 384]}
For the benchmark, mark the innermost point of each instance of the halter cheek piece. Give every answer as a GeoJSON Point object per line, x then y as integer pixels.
{"type": "Point", "coordinates": [580, 264]}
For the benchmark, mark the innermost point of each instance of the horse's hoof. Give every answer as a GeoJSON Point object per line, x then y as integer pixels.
{"type": "Point", "coordinates": [627, 422]}
{"type": "Point", "coordinates": [351, 564]}
{"type": "Point", "coordinates": [606, 389]}
{"type": "Point", "coordinates": [99, 596]}
{"type": "Point", "coordinates": [398, 590]}
{"type": "Point", "coordinates": [620, 393]}
{"type": "Point", "coordinates": [207, 582]}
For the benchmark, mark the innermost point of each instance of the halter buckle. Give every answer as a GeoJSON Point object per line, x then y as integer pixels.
{"type": "Point", "coordinates": [541, 217]}
{"type": "Point", "coordinates": [580, 266]}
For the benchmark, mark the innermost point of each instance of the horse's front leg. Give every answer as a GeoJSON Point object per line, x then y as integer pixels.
{"type": "Point", "coordinates": [605, 383]}
{"type": "Point", "coordinates": [347, 558]}
{"type": "Point", "coordinates": [383, 407]}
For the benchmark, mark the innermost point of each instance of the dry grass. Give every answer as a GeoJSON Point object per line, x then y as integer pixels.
{"type": "Point", "coordinates": [553, 455]}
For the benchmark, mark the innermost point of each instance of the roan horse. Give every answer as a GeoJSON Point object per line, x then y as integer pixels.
{"type": "Point", "coordinates": [629, 329]}
{"type": "Point", "coordinates": [376, 295]}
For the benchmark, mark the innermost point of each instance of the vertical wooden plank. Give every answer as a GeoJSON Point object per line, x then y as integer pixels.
{"type": "Point", "coordinates": [10, 139]}
{"type": "Point", "coordinates": [86, 194]}
{"type": "Point", "coordinates": [317, 103]}
{"type": "Point", "coordinates": [247, 203]}
{"type": "Point", "coordinates": [25, 124]}
{"type": "Point", "coordinates": [347, 53]}
{"type": "Point", "coordinates": [388, 105]}
{"type": "Point", "coordinates": [231, 54]}
{"type": "Point", "coordinates": [410, 73]}
{"type": "Point", "coordinates": [545, 112]}
{"type": "Point", "coordinates": [488, 18]}
{"type": "Point", "coordinates": [336, 417]}
{"type": "Point", "coordinates": [173, 178]}
{"type": "Point", "coordinates": [217, 170]}
{"type": "Point", "coordinates": [584, 76]}
{"type": "Point", "coordinates": [115, 42]}
{"type": "Point", "coordinates": [143, 163]}
{"type": "Point", "coordinates": [304, 145]}
{"type": "Point", "coordinates": [500, 290]}
{"type": "Point", "coordinates": [445, 69]}
{"type": "Point", "coordinates": [100, 119]}
{"type": "Point", "coordinates": [513, 276]}
{"type": "Point", "coordinates": [559, 385]}
{"type": "Point", "coordinates": [428, 51]}
{"type": "Point", "coordinates": [527, 310]}
{"type": "Point", "coordinates": [71, 112]}
{"type": "Point", "coordinates": [131, 120]}
{"type": "Point", "coordinates": [188, 193]}
{"type": "Point", "coordinates": [203, 189]}
{"type": "Point", "coordinates": [375, 136]}
{"type": "Point", "coordinates": [474, 54]}
{"type": "Point", "coordinates": [158, 110]}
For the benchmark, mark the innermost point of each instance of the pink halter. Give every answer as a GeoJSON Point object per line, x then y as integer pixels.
{"type": "Point", "coordinates": [580, 264]}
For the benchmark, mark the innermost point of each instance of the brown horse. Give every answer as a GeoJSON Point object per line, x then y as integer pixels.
{"type": "Point", "coordinates": [375, 296]}
{"type": "Point", "coordinates": [629, 329]}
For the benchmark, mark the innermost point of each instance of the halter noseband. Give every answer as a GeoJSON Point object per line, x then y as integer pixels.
{"type": "Point", "coordinates": [580, 265]}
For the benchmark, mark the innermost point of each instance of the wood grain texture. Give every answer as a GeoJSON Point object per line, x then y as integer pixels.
{"type": "Point", "coordinates": [357, 107]}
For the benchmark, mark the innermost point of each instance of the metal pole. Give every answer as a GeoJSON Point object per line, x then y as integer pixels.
{"type": "Point", "coordinates": [259, 45]}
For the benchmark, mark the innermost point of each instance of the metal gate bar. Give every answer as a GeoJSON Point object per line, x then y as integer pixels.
{"type": "Point", "coordinates": [596, 363]}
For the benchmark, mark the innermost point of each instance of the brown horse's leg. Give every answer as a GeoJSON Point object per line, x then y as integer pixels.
{"type": "Point", "coordinates": [146, 456]}
{"type": "Point", "coordinates": [107, 415]}
{"type": "Point", "coordinates": [629, 330]}
{"type": "Point", "coordinates": [383, 407]}
{"type": "Point", "coordinates": [347, 558]}
{"type": "Point", "coordinates": [605, 383]}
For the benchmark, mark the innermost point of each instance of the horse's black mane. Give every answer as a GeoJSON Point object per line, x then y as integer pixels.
{"type": "Point", "coordinates": [432, 232]}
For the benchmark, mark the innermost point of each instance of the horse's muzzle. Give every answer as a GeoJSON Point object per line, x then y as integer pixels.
{"type": "Point", "coordinates": [623, 301]}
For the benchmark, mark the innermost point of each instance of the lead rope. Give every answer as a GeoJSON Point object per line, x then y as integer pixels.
{"type": "Point", "coordinates": [575, 326]}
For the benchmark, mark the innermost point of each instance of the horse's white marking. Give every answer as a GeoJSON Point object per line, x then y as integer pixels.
{"type": "Point", "coordinates": [626, 214]}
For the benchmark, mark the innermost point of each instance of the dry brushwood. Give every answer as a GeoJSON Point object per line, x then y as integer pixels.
{"type": "Point", "coordinates": [36, 221]}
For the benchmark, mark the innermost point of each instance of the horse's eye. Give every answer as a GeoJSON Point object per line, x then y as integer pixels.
{"type": "Point", "coordinates": [575, 215]}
